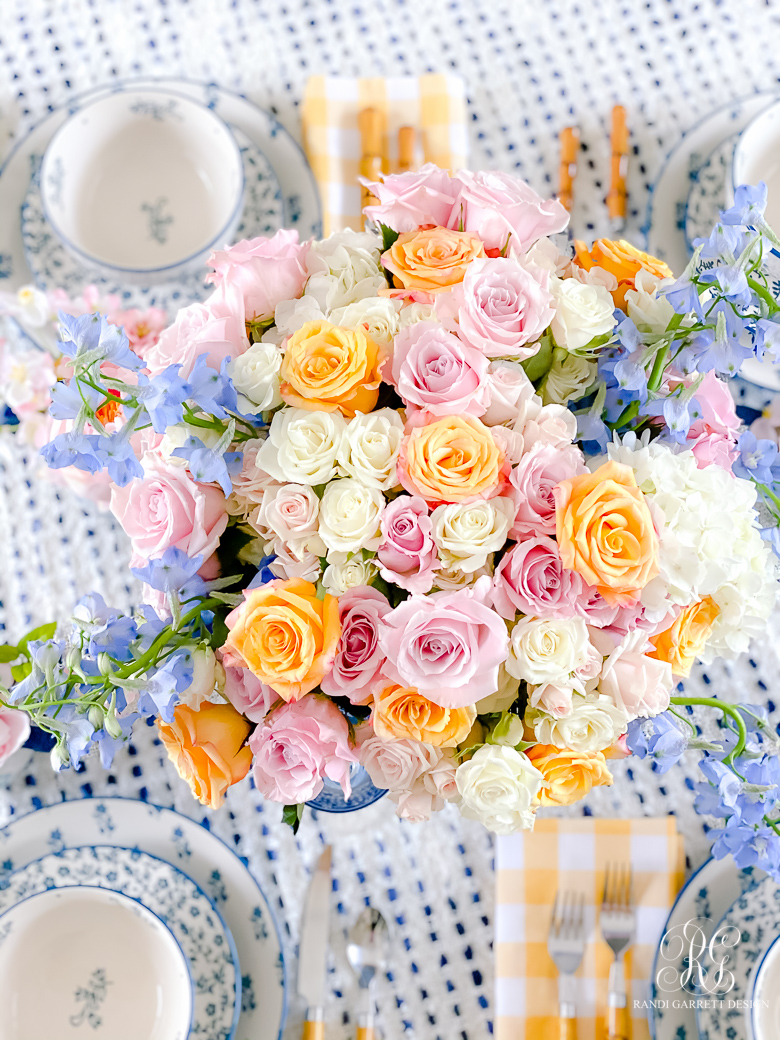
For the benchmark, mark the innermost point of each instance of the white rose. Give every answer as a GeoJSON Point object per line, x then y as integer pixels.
{"type": "Point", "coordinates": [378, 314]}
{"type": "Point", "coordinates": [499, 787]}
{"type": "Point", "coordinates": [648, 310]}
{"type": "Point", "coordinates": [582, 312]}
{"type": "Point", "coordinates": [449, 579]}
{"type": "Point", "coordinates": [291, 315]}
{"type": "Point", "coordinates": [554, 424]}
{"type": "Point", "coordinates": [414, 312]}
{"type": "Point", "coordinates": [255, 375]}
{"type": "Point", "coordinates": [568, 378]}
{"type": "Point", "coordinates": [395, 765]}
{"type": "Point", "coordinates": [371, 446]}
{"type": "Point", "coordinates": [302, 446]}
{"type": "Point", "coordinates": [177, 435]}
{"type": "Point", "coordinates": [293, 563]}
{"type": "Point", "coordinates": [290, 512]}
{"type": "Point", "coordinates": [204, 678]}
{"type": "Point", "coordinates": [594, 723]}
{"type": "Point", "coordinates": [349, 516]}
{"type": "Point", "coordinates": [344, 268]}
{"type": "Point", "coordinates": [339, 577]}
{"type": "Point", "coordinates": [548, 650]}
{"type": "Point", "coordinates": [466, 533]}
{"type": "Point", "coordinates": [512, 394]}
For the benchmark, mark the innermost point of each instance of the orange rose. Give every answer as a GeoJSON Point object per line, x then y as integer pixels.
{"type": "Point", "coordinates": [686, 637]}
{"type": "Point", "coordinates": [622, 260]}
{"type": "Point", "coordinates": [404, 713]}
{"type": "Point", "coordinates": [285, 635]}
{"type": "Point", "coordinates": [431, 260]}
{"type": "Point", "coordinates": [605, 531]}
{"type": "Point", "coordinates": [455, 459]}
{"type": "Point", "coordinates": [326, 367]}
{"type": "Point", "coordinates": [207, 747]}
{"type": "Point", "coordinates": [568, 775]}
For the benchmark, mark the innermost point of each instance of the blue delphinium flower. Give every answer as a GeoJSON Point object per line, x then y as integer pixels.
{"type": "Point", "coordinates": [725, 243]}
{"type": "Point", "coordinates": [211, 390]}
{"type": "Point", "coordinates": [89, 338]}
{"type": "Point", "coordinates": [721, 349]}
{"type": "Point", "coordinates": [732, 283]}
{"type": "Point", "coordinates": [163, 397]}
{"type": "Point", "coordinates": [117, 456]}
{"type": "Point", "coordinates": [106, 628]}
{"type": "Point", "coordinates": [767, 339]}
{"type": "Point", "coordinates": [264, 573]}
{"type": "Point", "coordinates": [683, 295]}
{"type": "Point", "coordinates": [658, 738]}
{"type": "Point", "coordinates": [210, 465]}
{"type": "Point", "coordinates": [67, 399]}
{"type": "Point", "coordinates": [73, 449]}
{"type": "Point", "coordinates": [750, 845]}
{"type": "Point", "coordinates": [772, 535]}
{"type": "Point", "coordinates": [758, 459]}
{"type": "Point", "coordinates": [109, 742]}
{"type": "Point", "coordinates": [171, 571]}
{"type": "Point", "coordinates": [749, 206]}
{"type": "Point", "coordinates": [161, 693]}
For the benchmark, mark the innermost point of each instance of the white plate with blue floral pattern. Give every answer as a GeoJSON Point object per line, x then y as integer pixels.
{"type": "Point", "coordinates": [748, 929]}
{"type": "Point", "coordinates": [171, 896]}
{"type": "Point", "coordinates": [53, 266]}
{"type": "Point", "coordinates": [300, 197]}
{"type": "Point", "coordinates": [710, 193]}
{"type": "Point", "coordinates": [126, 823]}
{"type": "Point", "coordinates": [692, 920]}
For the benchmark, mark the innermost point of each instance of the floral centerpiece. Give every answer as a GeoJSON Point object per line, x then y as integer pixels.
{"type": "Point", "coordinates": [449, 498]}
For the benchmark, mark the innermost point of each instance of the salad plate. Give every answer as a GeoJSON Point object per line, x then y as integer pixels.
{"type": "Point", "coordinates": [172, 897]}
{"type": "Point", "coordinates": [703, 899]}
{"type": "Point", "coordinates": [203, 857]}
{"type": "Point", "coordinates": [710, 193]}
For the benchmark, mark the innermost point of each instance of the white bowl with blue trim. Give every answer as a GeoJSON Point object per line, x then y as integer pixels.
{"type": "Point", "coordinates": [86, 960]}
{"type": "Point", "coordinates": [143, 184]}
{"type": "Point", "coordinates": [757, 158]}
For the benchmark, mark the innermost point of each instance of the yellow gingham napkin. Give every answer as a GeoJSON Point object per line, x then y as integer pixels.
{"type": "Point", "coordinates": [573, 854]}
{"type": "Point", "coordinates": [434, 104]}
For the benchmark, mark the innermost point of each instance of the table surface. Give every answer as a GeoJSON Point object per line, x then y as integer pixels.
{"type": "Point", "coordinates": [530, 69]}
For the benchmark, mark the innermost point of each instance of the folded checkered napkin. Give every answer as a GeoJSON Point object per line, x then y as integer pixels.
{"type": "Point", "coordinates": [573, 855]}
{"type": "Point", "coordinates": [435, 105]}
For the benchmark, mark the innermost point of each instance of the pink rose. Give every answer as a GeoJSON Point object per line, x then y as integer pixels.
{"type": "Point", "coordinates": [511, 393]}
{"type": "Point", "coordinates": [14, 731]}
{"type": "Point", "coordinates": [532, 482]}
{"type": "Point", "coordinates": [638, 684]}
{"type": "Point", "coordinates": [299, 744]}
{"type": "Point", "coordinates": [247, 694]}
{"type": "Point", "coordinates": [214, 329]}
{"type": "Point", "coordinates": [250, 485]}
{"type": "Point", "coordinates": [553, 424]}
{"type": "Point", "coordinates": [500, 307]}
{"type": "Point", "coordinates": [712, 437]}
{"type": "Point", "coordinates": [433, 370]}
{"type": "Point", "coordinates": [409, 200]}
{"type": "Point", "coordinates": [498, 207]}
{"type": "Point", "coordinates": [290, 512]}
{"type": "Point", "coordinates": [266, 271]}
{"type": "Point", "coordinates": [407, 553]}
{"type": "Point", "coordinates": [395, 765]}
{"type": "Point", "coordinates": [358, 656]}
{"type": "Point", "coordinates": [169, 508]}
{"type": "Point", "coordinates": [448, 646]}
{"type": "Point", "coordinates": [555, 700]}
{"type": "Point", "coordinates": [531, 579]}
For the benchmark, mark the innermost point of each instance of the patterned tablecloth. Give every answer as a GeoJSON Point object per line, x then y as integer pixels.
{"type": "Point", "coordinates": [530, 68]}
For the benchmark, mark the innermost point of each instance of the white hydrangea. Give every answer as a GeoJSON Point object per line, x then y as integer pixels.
{"type": "Point", "coordinates": [709, 542]}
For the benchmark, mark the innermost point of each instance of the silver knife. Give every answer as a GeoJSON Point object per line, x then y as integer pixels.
{"type": "Point", "coordinates": [313, 949]}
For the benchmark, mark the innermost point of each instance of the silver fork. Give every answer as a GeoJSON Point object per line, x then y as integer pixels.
{"type": "Point", "coordinates": [566, 945]}
{"type": "Point", "coordinates": [618, 922]}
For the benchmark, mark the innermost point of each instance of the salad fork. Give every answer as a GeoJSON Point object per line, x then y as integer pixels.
{"type": "Point", "coordinates": [566, 945]}
{"type": "Point", "coordinates": [618, 921]}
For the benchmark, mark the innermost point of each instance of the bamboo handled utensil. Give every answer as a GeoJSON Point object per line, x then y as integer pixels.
{"type": "Point", "coordinates": [618, 194]}
{"type": "Point", "coordinates": [406, 141]}
{"type": "Point", "coordinates": [570, 145]}
{"type": "Point", "coordinates": [370, 126]}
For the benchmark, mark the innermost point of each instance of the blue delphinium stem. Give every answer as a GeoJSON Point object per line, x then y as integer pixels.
{"type": "Point", "coordinates": [727, 709]}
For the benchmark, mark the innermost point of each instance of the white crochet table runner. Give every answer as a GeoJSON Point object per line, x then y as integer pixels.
{"type": "Point", "coordinates": [529, 69]}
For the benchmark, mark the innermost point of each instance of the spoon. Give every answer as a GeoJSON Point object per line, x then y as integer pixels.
{"type": "Point", "coordinates": [367, 953]}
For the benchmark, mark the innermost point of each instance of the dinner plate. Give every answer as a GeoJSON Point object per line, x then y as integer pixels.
{"type": "Point", "coordinates": [53, 266]}
{"type": "Point", "coordinates": [703, 899]}
{"type": "Point", "coordinates": [710, 193]}
{"type": "Point", "coordinates": [749, 927]}
{"type": "Point", "coordinates": [665, 219]}
{"type": "Point", "coordinates": [126, 823]}
{"type": "Point", "coordinates": [300, 197]}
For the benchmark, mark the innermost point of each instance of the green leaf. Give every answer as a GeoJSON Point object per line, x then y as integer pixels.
{"type": "Point", "coordinates": [9, 653]}
{"type": "Point", "coordinates": [388, 236]}
{"type": "Point", "coordinates": [538, 366]}
{"type": "Point", "coordinates": [20, 671]}
{"type": "Point", "coordinates": [233, 599]}
{"type": "Point", "coordinates": [41, 632]}
{"type": "Point", "coordinates": [219, 631]}
{"type": "Point", "coordinates": [292, 815]}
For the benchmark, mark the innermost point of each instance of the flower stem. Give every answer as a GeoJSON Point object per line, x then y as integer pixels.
{"type": "Point", "coordinates": [726, 709]}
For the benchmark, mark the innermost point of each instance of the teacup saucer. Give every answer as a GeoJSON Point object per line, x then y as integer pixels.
{"type": "Point", "coordinates": [53, 266]}
{"type": "Point", "coordinates": [173, 897]}
{"type": "Point", "coordinates": [300, 196]}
